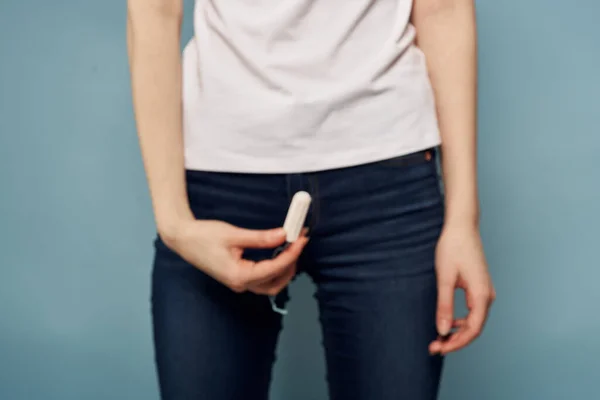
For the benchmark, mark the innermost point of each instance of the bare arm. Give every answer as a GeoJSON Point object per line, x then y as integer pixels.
{"type": "Point", "coordinates": [446, 32]}
{"type": "Point", "coordinates": [153, 39]}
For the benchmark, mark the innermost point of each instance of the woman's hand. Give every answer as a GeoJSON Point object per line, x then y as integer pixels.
{"type": "Point", "coordinates": [216, 248]}
{"type": "Point", "coordinates": [460, 263]}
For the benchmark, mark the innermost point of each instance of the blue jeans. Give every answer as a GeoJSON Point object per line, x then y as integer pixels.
{"type": "Point", "coordinates": [373, 232]}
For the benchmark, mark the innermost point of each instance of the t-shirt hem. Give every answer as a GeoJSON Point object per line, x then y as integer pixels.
{"type": "Point", "coordinates": [226, 163]}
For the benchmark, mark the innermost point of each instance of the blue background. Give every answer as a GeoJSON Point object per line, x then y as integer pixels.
{"type": "Point", "coordinates": [76, 224]}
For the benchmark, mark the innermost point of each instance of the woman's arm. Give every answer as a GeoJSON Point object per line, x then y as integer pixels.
{"type": "Point", "coordinates": [153, 39]}
{"type": "Point", "coordinates": [446, 32]}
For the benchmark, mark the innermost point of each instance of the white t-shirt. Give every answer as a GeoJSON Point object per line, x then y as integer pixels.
{"type": "Point", "coordinates": [290, 86]}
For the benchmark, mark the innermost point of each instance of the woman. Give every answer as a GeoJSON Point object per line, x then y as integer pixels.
{"type": "Point", "coordinates": [335, 98]}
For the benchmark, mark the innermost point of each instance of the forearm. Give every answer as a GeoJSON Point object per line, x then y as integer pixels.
{"type": "Point", "coordinates": [446, 32]}
{"type": "Point", "coordinates": [153, 37]}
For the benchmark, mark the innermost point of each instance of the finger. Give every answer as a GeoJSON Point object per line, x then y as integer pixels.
{"type": "Point", "coordinates": [445, 307]}
{"type": "Point", "coordinates": [257, 239]}
{"type": "Point", "coordinates": [436, 345]}
{"type": "Point", "coordinates": [270, 269]}
{"type": "Point", "coordinates": [276, 285]}
{"type": "Point", "coordinates": [459, 323]}
{"type": "Point", "coordinates": [272, 281]}
{"type": "Point", "coordinates": [442, 345]}
{"type": "Point", "coordinates": [472, 327]}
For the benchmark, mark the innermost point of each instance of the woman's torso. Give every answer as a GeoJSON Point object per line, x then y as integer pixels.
{"type": "Point", "coordinates": [274, 86]}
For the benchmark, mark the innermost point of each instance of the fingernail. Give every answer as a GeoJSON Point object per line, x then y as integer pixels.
{"type": "Point", "coordinates": [444, 327]}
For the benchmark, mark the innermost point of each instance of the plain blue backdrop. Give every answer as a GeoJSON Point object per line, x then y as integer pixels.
{"type": "Point", "coordinates": [76, 224]}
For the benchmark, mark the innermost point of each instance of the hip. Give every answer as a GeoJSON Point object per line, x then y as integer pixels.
{"type": "Point", "coordinates": [367, 214]}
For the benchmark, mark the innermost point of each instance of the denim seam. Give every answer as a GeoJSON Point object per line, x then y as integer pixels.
{"type": "Point", "coordinates": [313, 183]}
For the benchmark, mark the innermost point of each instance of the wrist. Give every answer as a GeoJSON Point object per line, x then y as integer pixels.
{"type": "Point", "coordinates": [461, 224]}
{"type": "Point", "coordinates": [170, 227]}
{"type": "Point", "coordinates": [462, 207]}
{"type": "Point", "coordinates": [462, 218]}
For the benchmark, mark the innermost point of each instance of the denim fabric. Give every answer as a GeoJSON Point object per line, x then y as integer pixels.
{"type": "Point", "coordinates": [373, 232]}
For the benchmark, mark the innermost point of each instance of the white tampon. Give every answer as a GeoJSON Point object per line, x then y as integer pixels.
{"type": "Point", "coordinates": [294, 222]}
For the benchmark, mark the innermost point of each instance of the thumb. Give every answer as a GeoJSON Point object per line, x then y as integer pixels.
{"type": "Point", "coordinates": [258, 239]}
{"type": "Point", "coordinates": [445, 308]}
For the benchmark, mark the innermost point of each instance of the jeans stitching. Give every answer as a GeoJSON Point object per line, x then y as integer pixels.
{"type": "Point", "coordinates": [313, 183]}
